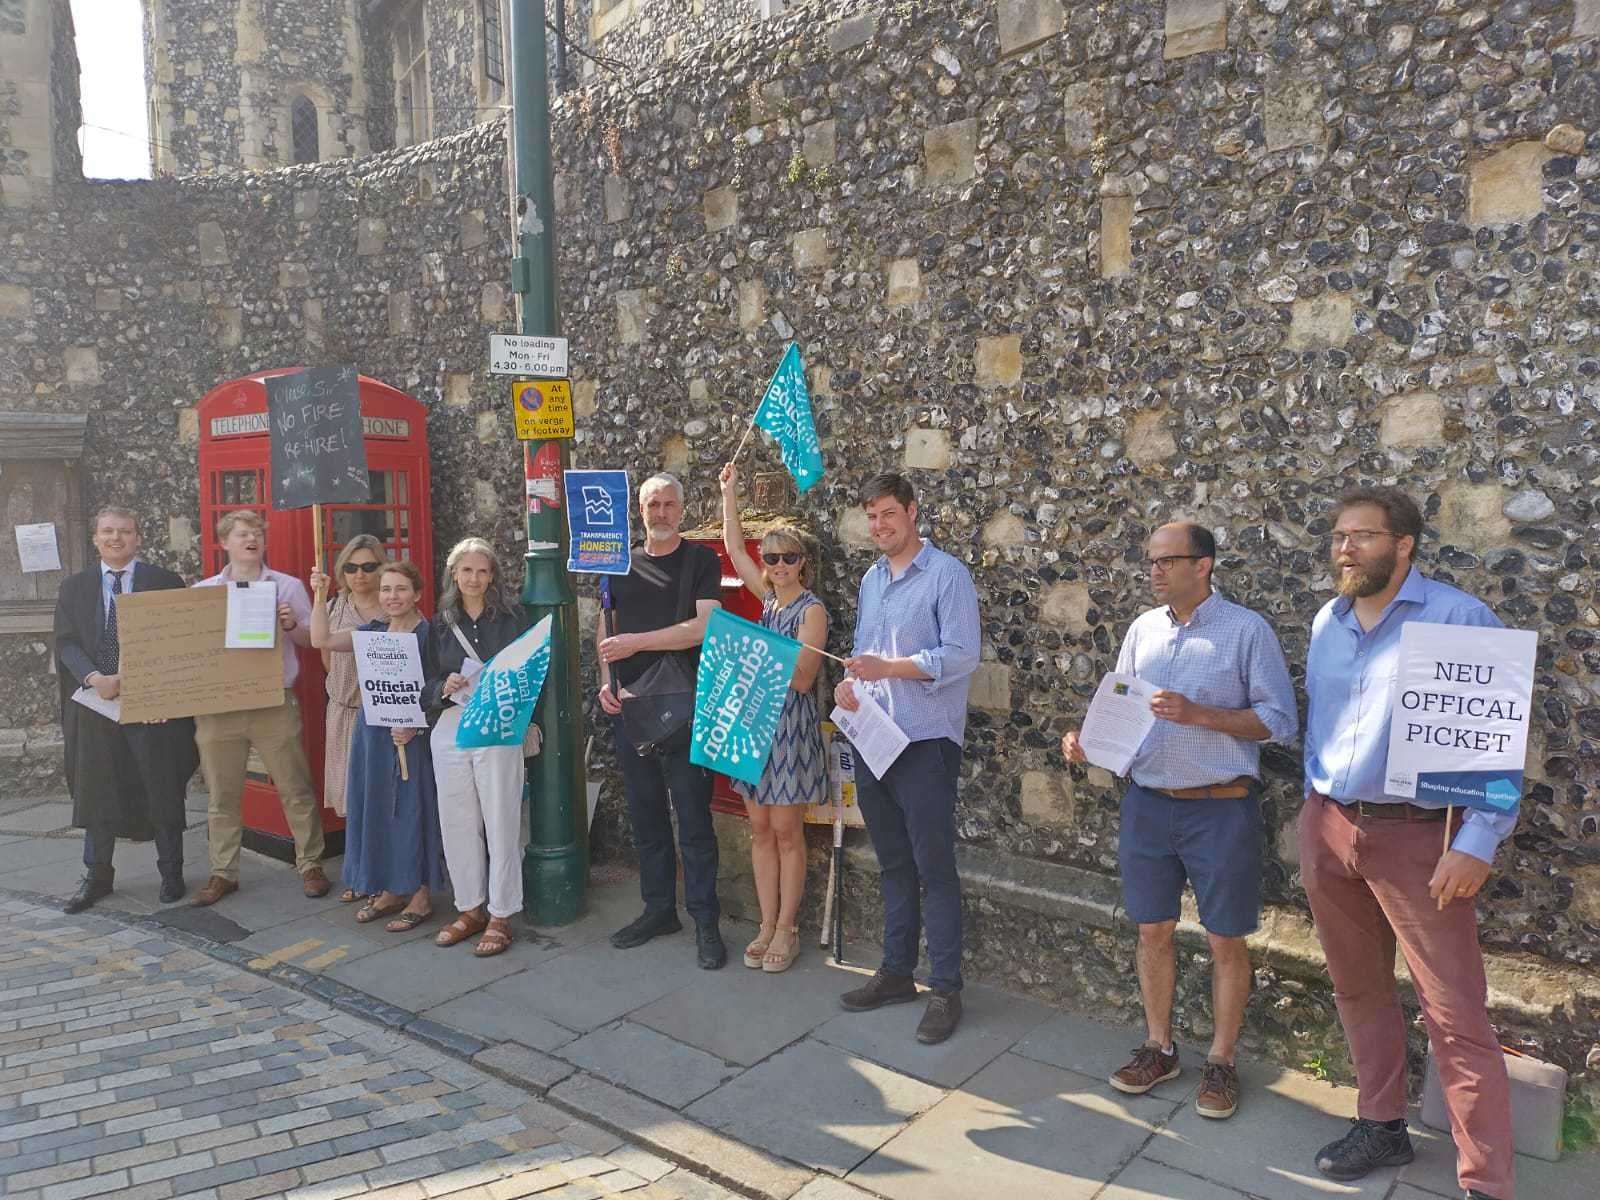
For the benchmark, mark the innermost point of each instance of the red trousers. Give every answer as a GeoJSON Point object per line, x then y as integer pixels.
{"type": "Point", "coordinates": [1367, 878]}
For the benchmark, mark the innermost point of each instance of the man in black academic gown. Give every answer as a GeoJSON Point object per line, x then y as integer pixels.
{"type": "Point", "coordinates": [126, 780]}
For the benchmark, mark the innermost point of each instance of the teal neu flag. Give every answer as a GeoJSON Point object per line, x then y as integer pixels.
{"type": "Point", "coordinates": [505, 692]}
{"type": "Point", "coordinates": [785, 413]}
{"type": "Point", "coordinates": [739, 694]}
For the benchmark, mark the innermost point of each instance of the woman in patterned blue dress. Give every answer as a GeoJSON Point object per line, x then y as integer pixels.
{"type": "Point", "coordinates": [796, 773]}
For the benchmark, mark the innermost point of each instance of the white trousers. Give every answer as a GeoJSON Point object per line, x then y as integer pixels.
{"type": "Point", "coordinates": [480, 815]}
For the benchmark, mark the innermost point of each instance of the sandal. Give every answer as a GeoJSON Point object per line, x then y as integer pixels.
{"type": "Point", "coordinates": [756, 950]}
{"type": "Point", "coordinates": [370, 911]}
{"type": "Point", "coordinates": [496, 939]}
{"type": "Point", "coordinates": [407, 921]}
{"type": "Point", "coordinates": [350, 896]}
{"type": "Point", "coordinates": [774, 963]}
{"type": "Point", "coordinates": [466, 925]}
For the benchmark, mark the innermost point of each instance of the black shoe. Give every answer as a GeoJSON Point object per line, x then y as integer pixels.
{"type": "Point", "coordinates": [173, 888]}
{"type": "Point", "coordinates": [1368, 1145]}
{"type": "Point", "coordinates": [648, 925]}
{"type": "Point", "coordinates": [96, 885]}
{"type": "Point", "coordinates": [713, 955]}
{"type": "Point", "coordinates": [941, 1019]}
{"type": "Point", "coordinates": [883, 988]}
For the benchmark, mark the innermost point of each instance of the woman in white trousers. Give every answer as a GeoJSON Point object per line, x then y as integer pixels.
{"type": "Point", "coordinates": [480, 791]}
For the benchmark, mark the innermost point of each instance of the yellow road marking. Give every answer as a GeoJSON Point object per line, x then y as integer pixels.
{"type": "Point", "coordinates": [287, 952]}
{"type": "Point", "coordinates": [326, 959]}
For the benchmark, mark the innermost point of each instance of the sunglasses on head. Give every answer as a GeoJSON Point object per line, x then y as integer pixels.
{"type": "Point", "coordinates": [364, 568]}
{"type": "Point", "coordinates": [788, 558]}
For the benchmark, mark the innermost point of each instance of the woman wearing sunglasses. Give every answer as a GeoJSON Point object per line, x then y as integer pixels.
{"type": "Point", "coordinates": [355, 574]}
{"type": "Point", "coordinates": [796, 773]}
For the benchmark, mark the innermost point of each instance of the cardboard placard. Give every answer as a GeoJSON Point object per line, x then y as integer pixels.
{"type": "Point", "coordinates": [319, 453]}
{"type": "Point", "coordinates": [173, 663]}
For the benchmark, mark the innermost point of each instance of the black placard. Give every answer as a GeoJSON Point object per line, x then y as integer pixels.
{"type": "Point", "coordinates": [318, 453]}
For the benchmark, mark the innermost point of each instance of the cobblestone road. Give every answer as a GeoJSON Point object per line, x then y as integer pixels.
{"type": "Point", "coordinates": [137, 1068]}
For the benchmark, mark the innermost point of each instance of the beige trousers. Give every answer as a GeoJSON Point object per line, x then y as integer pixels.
{"type": "Point", "coordinates": [225, 740]}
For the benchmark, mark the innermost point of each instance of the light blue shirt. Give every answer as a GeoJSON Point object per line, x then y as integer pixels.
{"type": "Point", "coordinates": [1225, 657]}
{"type": "Point", "coordinates": [1350, 674]}
{"type": "Point", "coordinates": [105, 584]}
{"type": "Point", "coordinates": [929, 615]}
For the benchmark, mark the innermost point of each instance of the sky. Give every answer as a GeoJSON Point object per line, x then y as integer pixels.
{"type": "Point", "coordinates": [115, 135]}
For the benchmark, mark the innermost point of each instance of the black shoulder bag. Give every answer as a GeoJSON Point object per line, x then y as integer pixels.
{"type": "Point", "coordinates": [658, 712]}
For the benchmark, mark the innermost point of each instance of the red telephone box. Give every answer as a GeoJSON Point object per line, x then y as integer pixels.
{"type": "Point", "coordinates": [235, 472]}
{"type": "Point", "coordinates": [737, 599]}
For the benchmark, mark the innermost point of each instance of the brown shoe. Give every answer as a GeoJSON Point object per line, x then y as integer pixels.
{"type": "Point", "coordinates": [1219, 1091]}
{"type": "Point", "coordinates": [215, 889]}
{"type": "Point", "coordinates": [315, 883]}
{"type": "Point", "coordinates": [1148, 1068]}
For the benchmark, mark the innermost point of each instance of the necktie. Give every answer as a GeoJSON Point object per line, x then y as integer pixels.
{"type": "Point", "coordinates": [110, 656]}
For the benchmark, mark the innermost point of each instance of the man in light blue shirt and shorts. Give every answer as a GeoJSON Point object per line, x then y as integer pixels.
{"type": "Point", "coordinates": [1192, 811]}
{"type": "Point", "coordinates": [916, 645]}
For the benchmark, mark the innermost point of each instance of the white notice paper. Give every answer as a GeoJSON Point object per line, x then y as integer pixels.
{"type": "Point", "coordinates": [389, 666]}
{"type": "Point", "coordinates": [37, 549]}
{"type": "Point", "coordinates": [252, 615]}
{"type": "Point", "coordinates": [90, 699]}
{"type": "Point", "coordinates": [470, 668]}
{"type": "Point", "coordinates": [1118, 721]}
{"type": "Point", "coordinates": [877, 739]}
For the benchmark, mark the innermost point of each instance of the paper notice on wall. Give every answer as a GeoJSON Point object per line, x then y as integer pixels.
{"type": "Point", "coordinates": [252, 615]}
{"type": "Point", "coordinates": [37, 549]}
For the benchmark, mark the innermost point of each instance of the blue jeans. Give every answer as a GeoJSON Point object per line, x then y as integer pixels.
{"type": "Point", "coordinates": [650, 785]}
{"type": "Point", "coordinates": [911, 815]}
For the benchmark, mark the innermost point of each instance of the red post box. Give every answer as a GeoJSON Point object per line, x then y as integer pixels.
{"type": "Point", "coordinates": [235, 472]}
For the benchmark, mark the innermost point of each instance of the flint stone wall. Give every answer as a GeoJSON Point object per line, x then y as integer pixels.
{"type": "Point", "coordinates": [1350, 245]}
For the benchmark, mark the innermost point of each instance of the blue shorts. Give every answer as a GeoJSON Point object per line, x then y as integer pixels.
{"type": "Point", "coordinates": [1213, 844]}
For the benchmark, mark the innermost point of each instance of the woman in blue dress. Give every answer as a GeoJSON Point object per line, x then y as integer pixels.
{"type": "Point", "coordinates": [393, 851]}
{"type": "Point", "coordinates": [796, 773]}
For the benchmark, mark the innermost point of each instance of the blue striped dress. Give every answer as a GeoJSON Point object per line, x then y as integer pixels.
{"type": "Point", "coordinates": [796, 772]}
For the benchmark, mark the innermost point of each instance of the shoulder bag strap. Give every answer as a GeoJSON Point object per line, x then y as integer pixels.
{"type": "Point", "coordinates": [466, 646]}
{"type": "Point", "coordinates": [686, 601]}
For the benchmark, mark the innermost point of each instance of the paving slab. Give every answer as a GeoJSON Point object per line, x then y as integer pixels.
{"type": "Point", "coordinates": [1267, 1148]}
{"type": "Point", "coordinates": [1096, 1050]}
{"type": "Point", "coordinates": [40, 818]}
{"type": "Point", "coordinates": [1141, 1180]}
{"type": "Point", "coordinates": [607, 908]}
{"type": "Point", "coordinates": [593, 985]}
{"type": "Point", "coordinates": [1575, 1177]}
{"type": "Point", "coordinates": [489, 1017]}
{"type": "Point", "coordinates": [744, 1016]}
{"type": "Point", "coordinates": [26, 854]}
{"type": "Point", "coordinates": [991, 1023]}
{"type": "Point", "coordinates": [815, 1104]}
{"type": "Point", "coordinates": [418, 975]}
{"type": "Point", "coordinates": [1036, 1131]}
{"type": "Point", "coordinates": [649, 1063]}
{"type": "Point", "coordinates": [341, 918]}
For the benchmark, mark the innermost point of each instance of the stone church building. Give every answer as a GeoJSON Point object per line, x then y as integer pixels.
{"type": "Point", "coordinates": [1078, 268]}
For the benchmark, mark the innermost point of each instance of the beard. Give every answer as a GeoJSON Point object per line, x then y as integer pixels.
{"type": "Point", "coordinates": [1359, 581]}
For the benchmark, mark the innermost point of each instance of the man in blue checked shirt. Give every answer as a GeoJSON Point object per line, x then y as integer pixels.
{"type": "Point", "coordinates": [916, 646]}
{"type": "Point", "coordinates": [1382, 870]}
{"type": "Point", "coordinates": [1192, 810]}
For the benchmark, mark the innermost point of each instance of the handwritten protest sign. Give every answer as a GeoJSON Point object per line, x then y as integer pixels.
{"type": "Point", "coordinates": [318, 453]}
{"type": "Point", "coordinates": [743, 681]}
{"type": "Point", "coordinates": [598, 522]}
{"type": "Point", "coordinates": [1462, 699]}
{"type": "Point", "coordinates": [173, 662]}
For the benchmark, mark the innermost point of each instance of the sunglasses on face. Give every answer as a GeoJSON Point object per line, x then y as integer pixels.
{"type": "Point", "coordinates": [788, 558]}
{"type": "Point", "coordinates": [364, 568]}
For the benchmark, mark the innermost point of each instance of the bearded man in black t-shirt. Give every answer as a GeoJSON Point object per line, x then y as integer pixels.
{"type": "Point", "coordinates": [649, 622]}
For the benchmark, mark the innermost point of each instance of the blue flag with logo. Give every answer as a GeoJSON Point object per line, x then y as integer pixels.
{"type": "Point", "coordinates": [739, 695]}
{"type": "Point", "coordinates": [785, 413]}
{"type": "Point", "coordinates": [505, 692]}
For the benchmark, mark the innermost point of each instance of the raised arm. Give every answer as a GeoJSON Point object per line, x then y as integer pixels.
{"type": "Point", "coordinates": [733, 536]}
{"type": "Point", "coordinates": [322, 637]}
